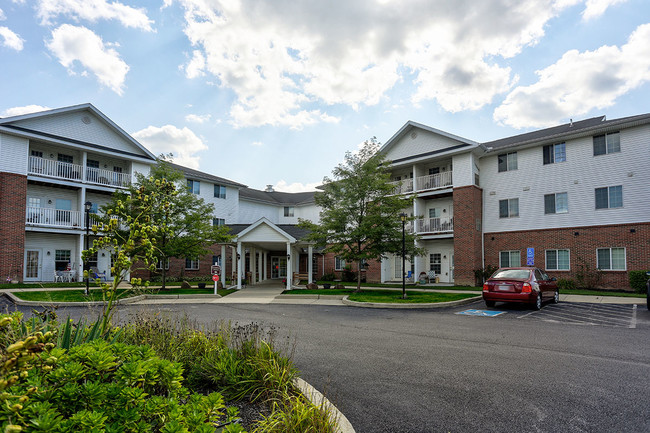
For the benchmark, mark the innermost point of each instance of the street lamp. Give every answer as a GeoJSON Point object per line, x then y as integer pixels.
{"type": "Point", "coordinates": [87, 206]}
{"type": "Point", "coordinates": [403, 218]}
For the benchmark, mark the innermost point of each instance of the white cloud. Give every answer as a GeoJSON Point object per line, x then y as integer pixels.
{"type": "Point", "coordinates": [198, 118]}
{"type": "Point", "coordinates": [283, 186]}
{"type": "Point", "coordinates": [27, 109]}
{"type": "Point", "coordinates": [257, 143]}
{"type": "Point", "coordinates": [595, 8]}
{"type": "Point", "coordinates": [578, 83]}
{"type": "Point", "coordinates": [281, 58]}
{"type": "Point", "coordinates": [70, 44]}
{"type": "Point", "coordinates": [93, 10]}
{"type": "Point", "coordinates": [2, 15]}
{"type": "Point", "coordinates": [10, 39]}
{"type": "Point", "coordinates": [183, 143]}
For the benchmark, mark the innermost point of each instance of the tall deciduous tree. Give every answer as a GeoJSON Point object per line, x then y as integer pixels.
{"type": "Point", "coordinates": [360, 217]}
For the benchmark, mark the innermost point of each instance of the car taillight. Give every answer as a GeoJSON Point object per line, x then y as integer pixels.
{"type": "Point", "coordinates": [527, 288]}
{"type": "Point", "coordinates": [485, 287]}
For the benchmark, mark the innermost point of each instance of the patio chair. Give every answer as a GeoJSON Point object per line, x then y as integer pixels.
{"type": "Point", "coordinates": [431, 276]}
{"type": "Point", "coordinates": [58, 276]}
{"type": "Point", "coordinates": [98, 275]}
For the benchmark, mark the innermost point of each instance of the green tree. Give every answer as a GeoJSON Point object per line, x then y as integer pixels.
{"type": "Point", "coordinates": [360, 217]}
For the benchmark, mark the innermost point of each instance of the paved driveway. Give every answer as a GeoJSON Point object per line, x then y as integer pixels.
{"type": "Point", "coordinates": [439, 371]}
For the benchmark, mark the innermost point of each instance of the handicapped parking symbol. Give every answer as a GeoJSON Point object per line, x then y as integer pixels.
{"type": "Point", "coordinates": [482, 313]}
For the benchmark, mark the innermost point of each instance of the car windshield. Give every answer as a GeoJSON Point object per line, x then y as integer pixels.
{"type": "Point", "coordinates": [516, 274]}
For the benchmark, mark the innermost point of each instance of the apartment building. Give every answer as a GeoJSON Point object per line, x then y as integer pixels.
{"type": "Point", "coordinates": [563, 199]}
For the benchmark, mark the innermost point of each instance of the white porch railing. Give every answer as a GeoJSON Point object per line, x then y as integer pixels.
{"type": "Point", "coordinates": [51, 168]}
{"type": "Point", "coordinates": [107, 177]}
{"type": "Point", "coordinates": [65, 170]}
{"type": "Point", "coordinates": [53, 217]}
{"type": "Point", "coordinates": [403, 186]}
{"type": "Point", "coordinates": [435, 225]}
{"type": "Point", "coordinates": [434, 181]}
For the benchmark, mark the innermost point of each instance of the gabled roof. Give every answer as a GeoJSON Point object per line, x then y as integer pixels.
{"type": "Point", "coordinates": [199, 175]}
{"type": "Point", "coordinates": [276, 197]}
{"type": "Point", "coordinates": [8, 122]}
{"type": "Point", "coordinates": [408, 126]}
{"type": "Point", "coordinates": [568, 130]}
{"type": "Point", "coordinates": [292, 230]}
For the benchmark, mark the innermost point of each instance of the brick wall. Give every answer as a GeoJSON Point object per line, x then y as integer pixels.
{"type": "Point", "coordinates": [13, 203]}
{"type": "Point", "coordinates": [468, 208]}
{"type": "Point", "coordinates": [582, 243]}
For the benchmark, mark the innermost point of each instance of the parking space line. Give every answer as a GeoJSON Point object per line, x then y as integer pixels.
{"type": "Point", "coordinates": [633, 321]}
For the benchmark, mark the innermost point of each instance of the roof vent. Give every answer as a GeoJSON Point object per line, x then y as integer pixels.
{"type": "Point", "coordinates": [570, 123]}
{"type": "Point", "coordinates": [86, 120]}
{"type": "Point", "coordinates": [269, 188]}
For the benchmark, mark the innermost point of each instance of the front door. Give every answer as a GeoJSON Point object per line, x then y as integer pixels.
{"type": "Point", "coordinates": [278, 267]}
{"type": "Point", "coordinates": [32, 265]}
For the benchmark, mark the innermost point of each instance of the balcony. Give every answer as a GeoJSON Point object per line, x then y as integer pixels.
{"type": "Point", "coordinates": [38, 216]}
{"type": "Point", "coordinates": [402, 186]}
{"type": "Point", "coordinates": [434, 181]}
{"type": "Point", "coordinates": [434, 225]}
{"type": "Point", "coordinates": [68, 171]}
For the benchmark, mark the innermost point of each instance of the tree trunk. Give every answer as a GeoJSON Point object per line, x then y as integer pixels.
{"type": "Point", "coordinates": [358, 277]}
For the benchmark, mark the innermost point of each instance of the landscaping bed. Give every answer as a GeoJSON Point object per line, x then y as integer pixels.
{"type": "Point", "coordinates": [77, 295]}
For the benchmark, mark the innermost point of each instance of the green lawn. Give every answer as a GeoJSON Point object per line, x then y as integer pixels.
{"type": "Point", "coordinates": [601, 293]}
{"type": "Point", "coordinates": [386, 296]}
{"type": "Point", "coordinates": [96, 294]}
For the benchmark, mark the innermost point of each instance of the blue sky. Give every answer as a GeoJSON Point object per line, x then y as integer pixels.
{"type": "Point", "coordinates": [275, 92]}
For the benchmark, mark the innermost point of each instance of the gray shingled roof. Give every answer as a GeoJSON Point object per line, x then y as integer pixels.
{"type": "Point", "coordinates": [199, 175]}
{"type": "Point", "coordinates": [292, 229]}
{"type": "Point", "coordinates": [276, 197]}
{"type": "Point", "coordinates": [561, 132]}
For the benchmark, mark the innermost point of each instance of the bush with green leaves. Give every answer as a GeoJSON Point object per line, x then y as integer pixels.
{"type": "Point", "coordinates": [99, 387]}
{"type": "Point", "coordinates": [638, 281]}
{"type": "Point", "coordinates": [566, 284]}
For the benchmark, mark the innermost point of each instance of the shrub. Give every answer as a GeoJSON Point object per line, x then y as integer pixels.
{"type": "Point", "coordinates": [566, 284]}
{"type": "Point", "coordinates": [638, 281]}
{"type": "Point", "coordinates": [481, 275]}
{"type": "Point", "coordinates": [328, 277]}
{"type": "Point", "coordinates": [348, 275]}
{"type": "Point", "coordinates": [586, 277]}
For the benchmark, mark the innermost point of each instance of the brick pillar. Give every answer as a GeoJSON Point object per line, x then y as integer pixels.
{"type": "Point", "coordinates": [13, 204]}
{"type": "Point", "coordinates": [468, 218]}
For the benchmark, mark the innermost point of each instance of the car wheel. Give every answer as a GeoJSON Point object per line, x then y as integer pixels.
{"type": "Point", "coordinates": [538, 302]}
{"type": "Point", "coordinates": [490, 303]}
{"type": "Point", "coordinates": [556, 297]}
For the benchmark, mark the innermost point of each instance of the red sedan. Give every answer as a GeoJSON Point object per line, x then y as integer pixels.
{"type": "Point", "coordinates": [525, 285]}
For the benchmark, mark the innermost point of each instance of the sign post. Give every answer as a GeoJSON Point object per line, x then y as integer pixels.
{"type": "Point", "coordinates": [530, 256]}
{"type": "Point", "coordinates": [216, 271]}
{"type": "Point", "coordinates": [215, 278]}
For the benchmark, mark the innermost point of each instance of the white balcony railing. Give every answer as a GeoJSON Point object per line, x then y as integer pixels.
{"type": "Point", "coordinates": [65, 170]}
{"type": "Point", "coordinates": [434, 181]}
{"type": "Point", "coordinates": [403, 186]}
{"type": "Point", "coordinates": [51, 168]}
{"type": "Point", "coordinates": [435, 225]}
{"type": "Point", "coordinates": [53, 217]}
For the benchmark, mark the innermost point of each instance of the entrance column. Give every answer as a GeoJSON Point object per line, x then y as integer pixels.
{"type": "Point", "coordinates": [253, 255]}
{"type": "Point", "coordinates": [264, 264]}
{"type": "Point", "coordinates": [289, 267]}
{"type": "Point", "coordinates": [239, 259]}
{"type": "Point", "coordinates": [223, 265]}
{"type": "Point", "coordinates": [310, 264]}
{"type": "Point", "coordinates": [233, 264]}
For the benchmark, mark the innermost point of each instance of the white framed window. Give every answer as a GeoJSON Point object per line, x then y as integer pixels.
{"type": "Point", "coordinates": [435, 263]}
{"type": "Point", "coordinates": [159, 265]}
{"type": "Point", "coordinates": [219, 191]}
{"type": "Point", "coordinates": [339, 263]}
{"type": "Point", "coordinates": [556, 203]}
{"type": "Point", "coordinates": [289, 211]}
{"type": "Point", "coordinates": [62, 259]}
{"type": "Point", "coordinates": [609, 197]}
{"type": "Point", "coordinates": [191, 264]}
{"type": "Point", "coordinates": [434, 213]}
{"type": "Point", "coordinates": [194, 186]}
{"type": "Point", "coordinates": [611, 259]}
{"type": "Point", "coordinates": [608, 143]}
{"type": "Point", "coordinates": [509, 208]}
{"type": "Point", "coordinates": [558, 260]}
{"type": "Point", "coordinates": [554, 153]}
{"type": "Point", "coordinates": [217, 222]}
{"type": "Point", "coordinates": [507, 161]}
{"type": "Point", "coordinates": [509, 259]}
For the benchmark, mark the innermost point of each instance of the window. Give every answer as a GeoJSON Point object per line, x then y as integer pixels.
{"type": "Point", "coordinates": [608, 143]}
{"type": "Point", "coordinates": [61, 259]}
{"type": "Point", "coordinates": [557, 260]}
{"type": "Point", "coordinates": [507, 161]}
{"type": "Point", "coordinates": [434, 170]}
{"type": "Point", "coordinates": [217, 222]}
{"type": "Point", "coordinates": [159, 265]}
{"type": "Point", "coordinates": [191, 264]}
{"type": "Point", "coordinates": [288, 211]}
{"type": "Point", "coordinates": [434, 213]}
{"type": "Point", "coordinates": [509, 208]}
{"type": "Point", "coordinates": [556, 203]}
{"type": "Point", "coordinates": [509, 259]}
{"type": "Point", "coordinates": [609, 197]}
{"type": "Point", "coordinates": [219, 191]}
{"type": "Point", "coordinates": [194, 186]}
{"type": "Point", "coordinates": [435, 263]}
{"type": "Point", "coordinates": [339, 263]}
{"type": "Point", "coordinates": [554, 153]}
{"type": "Point", "coordinates": [92, 261]}
{"type": "Point", "coordinates": [65, 158]}
{"type": "Point", "coordinates": [611, 259]}
{"type": "Point", "coordinates": [216, 260]}
{"type": "Point", "coordinates": [63, 210]}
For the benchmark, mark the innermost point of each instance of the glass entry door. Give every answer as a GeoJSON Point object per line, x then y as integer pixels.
{"type": "Point", "coordinates": [32, 265]}
{"type": "Point", "coordinates": [278, 267]}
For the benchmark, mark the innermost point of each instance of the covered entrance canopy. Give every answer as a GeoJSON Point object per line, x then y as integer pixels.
{"type": "Point", "coordinates": [267, 243]}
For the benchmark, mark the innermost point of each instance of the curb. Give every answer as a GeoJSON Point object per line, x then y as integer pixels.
{"type": "Point", "coordinates": [126, 301]}
{"type": "Point", "coordinates": [318, 399]}
{"type": "Point", "coordinates": [346, 301]}
{"type": "Point", "coordinates": [334, 297]}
